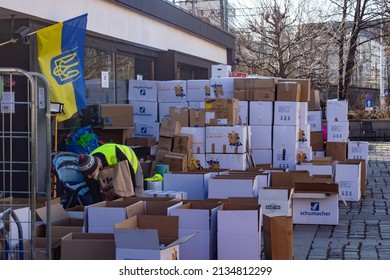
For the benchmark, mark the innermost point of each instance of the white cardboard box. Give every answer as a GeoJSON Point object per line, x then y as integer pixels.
{"type": "Point", "coordinates": [285, 137]}
{"type": "Point", "coordinates": [172, 91]}
{"type": "Point", "coordinates": [195, 184]}
{"type": "Point", "coordinates": [315, 203]}
{"type": "Point", "coordinates": [142, 90]}
{"type": "Point", "coordinates": [336, 110]}
{"type": "Point", "coordinates": [221, 70]}
{"type": "Point", "coordinates": [284, 158]}
{"type": "Point", "coordinates": [358, 150]}
{"type": "Point", "coordinates": [260, 137]}
{"type": "Point", "coordinates": [274, 200]}
{"type": "Point", "coordinates": [262, 156]}
{"type": "Point", "coordinates": [348, 176]}
{"type": "Point", "coordinates": [337, 131]}
{"type": "Point", "coordinates": [243, 112]}
{"type": "Point", "coordinates": [314, 118]}
{"type": "Point", "coordinates": [303, 110]}
{"type": "Point", "coordinates": [199, 217]}
{"type": "Point", "coordinates": [145, 110]}
{"type": "Point", "coordinates": [286, 113]}
{"type": "Point", "coordinates": [239, 232]}
{"type": "Point", "coordinates": [101, 217]}
{"type": "Point", "coordinates": [225, 186]}
{"type": "Point", "coordinates": [147, 129]}
{"type": "Point", "coordinates": [198, 90]}
{"type": "Point", "coordinates": [222, 87]}
{"type": "Point", "coordinates": [261, 112]}
{"type": "Point", "coordinates": [226, 139]}
{"type": "Point", "coordinates": [228, 161]}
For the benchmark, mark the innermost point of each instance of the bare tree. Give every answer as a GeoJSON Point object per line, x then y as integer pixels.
{"type": "Point", "coordinates": [278, 38]}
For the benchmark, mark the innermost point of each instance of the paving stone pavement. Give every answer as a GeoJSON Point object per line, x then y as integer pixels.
{"type": "Point", "coordinates": [363, 232]}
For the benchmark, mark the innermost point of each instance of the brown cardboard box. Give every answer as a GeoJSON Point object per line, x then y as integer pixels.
{"type": "Point", "coordinates": [288, 91]}
{"type": "Point", "coordinates": [317, 140]}
{"type": "Point", "coordinates": [88, 246]}
{"type": "Point", "coordinates": [305, 88]}
{"type": "Point", "coordinates": [141, 141]}
{"type": "Point", "coordinates": [180, 114]}
{"type": "Point", "coordinates": [183, 142]}
{"type": "Point", "coordinates": [221, 111]}
{"type": "Point", "coordinates": [255, 89]}
{"type": "Point", "coordinates": [197, 117]}
{"type": "Point", "coordinates": [115, 135]}
{"type": "Point", "coordinates": [176, 161]}
{"type": "Point", "coordinates": [336, 150]}
{"type": "Point", "coordinates": [278, 237]}
{"type": "Point", "coordinates": [165, 143]}
{"type": "Point", "coordinates": [314, 103]}
{"type": "Point", "coordinates": [117, 115]}
{"type": "Point", "coordinates": [169, 127]}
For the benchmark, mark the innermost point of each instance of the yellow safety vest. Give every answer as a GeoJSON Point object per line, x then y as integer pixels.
{"type": "Point", "coordinates": [109, 152]}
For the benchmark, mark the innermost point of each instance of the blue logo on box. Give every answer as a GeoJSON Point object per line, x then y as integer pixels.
{"type": "Point", "coordinates": [144, 130]}
{"type": "Point", "coordinates": [142, 110]}
{"type": "Point", "coordinates": [142, 92]}
{"type": "Point", "coordinates": [314, 206]}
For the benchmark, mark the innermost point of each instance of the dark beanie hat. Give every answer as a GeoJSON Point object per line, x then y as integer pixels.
{"type": "Point", "coordinates": [87, 164]}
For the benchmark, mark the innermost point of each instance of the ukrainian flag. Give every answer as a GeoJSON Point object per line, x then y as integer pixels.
{"type": "Point", "coordinates": [61, 60]}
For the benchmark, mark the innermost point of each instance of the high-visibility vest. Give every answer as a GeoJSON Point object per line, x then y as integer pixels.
{"type": "Point", "coordinates": [110, 153]}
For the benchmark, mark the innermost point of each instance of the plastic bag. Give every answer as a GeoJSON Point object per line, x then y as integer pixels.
{"type": "Point", "coordinates": [82, 141]}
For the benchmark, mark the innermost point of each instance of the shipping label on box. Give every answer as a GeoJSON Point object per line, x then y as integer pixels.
{"type": "Point", "coordinates": [261, 113]}
{"type": "Point", "coordinates": [198, 90]}
{"type": "Point", "coordinates": [221, 111]}
{"type": "Point", "coordinates": [286, 113]}
{"type": "Point", "coordinates": [314, 118]}
{"type": "Point", "coordinates": [337, 131]}
{"type": "Point", "coordinates": [142, 90]}
{"type": "Point", "coordinates": [172, 91]}
{"type": "Point", "coordinates": [226, 139]}
{"type": "Point", "coordinates": [358, 150]}
{"type": "Point", "coordinates": [198, 138]}
{"type": "Point", "coordinates": [145, 110]}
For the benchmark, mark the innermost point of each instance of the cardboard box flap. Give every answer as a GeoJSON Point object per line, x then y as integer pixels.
{"type": "Point", "coordinates": [57, 213]}
{"type": "Point", "coordinates": [136, 238]}
{"type": "Point", "coordinates": [181, 240]}
{"type": "Point", "coordinates": [316, 187]}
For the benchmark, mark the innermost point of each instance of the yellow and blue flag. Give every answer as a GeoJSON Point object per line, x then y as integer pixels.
{"type": "Point", "coordinates": [61, 60]}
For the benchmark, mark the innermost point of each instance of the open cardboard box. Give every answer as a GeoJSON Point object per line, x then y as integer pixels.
{"type": "Point", "coordinates": [198, 217]}
{"type": "Point", "coordinates": [316, 203]}
{"type": "Point", "coordinates": [148, 237]}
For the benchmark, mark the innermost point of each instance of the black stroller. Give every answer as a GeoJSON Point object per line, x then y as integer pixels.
{"type": "Point", "coordinates": [70, 184]}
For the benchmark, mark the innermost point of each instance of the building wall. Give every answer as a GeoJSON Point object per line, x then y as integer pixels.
{"type": "Point", "coordinates": [121, 22]}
